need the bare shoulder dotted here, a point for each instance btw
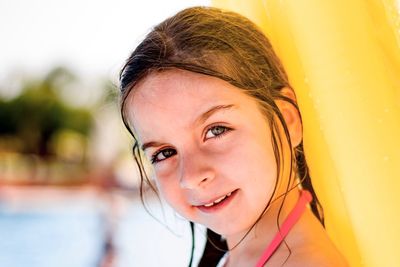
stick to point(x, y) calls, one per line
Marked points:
point(317, 257)
point(315, 248)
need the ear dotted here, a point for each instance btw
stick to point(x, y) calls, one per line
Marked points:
point(291, 116)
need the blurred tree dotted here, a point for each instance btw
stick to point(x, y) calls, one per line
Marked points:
point(39, 112)
point(110, 93)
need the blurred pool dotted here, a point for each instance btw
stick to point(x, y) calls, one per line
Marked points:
point(46, 239)
point(72, 233)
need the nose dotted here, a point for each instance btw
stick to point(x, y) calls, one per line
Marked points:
point(196, 170)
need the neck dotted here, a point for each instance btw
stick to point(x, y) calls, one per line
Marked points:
point(252, 246)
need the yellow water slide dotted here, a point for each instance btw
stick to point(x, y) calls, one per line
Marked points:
point(343, 60)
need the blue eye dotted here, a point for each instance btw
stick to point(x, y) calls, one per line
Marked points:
point(216, 131)
point(162, 155)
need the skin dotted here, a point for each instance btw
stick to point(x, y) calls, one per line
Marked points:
point(207, 138)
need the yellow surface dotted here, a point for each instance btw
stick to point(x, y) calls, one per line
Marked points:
point(343, 60)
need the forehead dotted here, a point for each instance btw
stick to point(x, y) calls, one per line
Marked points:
point(177, 97)
point(169, 83)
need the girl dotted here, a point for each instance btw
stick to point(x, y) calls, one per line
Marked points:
point(210, 106)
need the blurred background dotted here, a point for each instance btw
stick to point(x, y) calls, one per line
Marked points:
point(68, 184)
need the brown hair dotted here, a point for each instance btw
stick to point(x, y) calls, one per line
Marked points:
point(228, 46)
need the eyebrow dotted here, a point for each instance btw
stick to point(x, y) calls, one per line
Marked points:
point(201, 119)
point(150, 144)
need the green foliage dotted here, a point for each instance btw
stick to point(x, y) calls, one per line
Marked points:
point(39, 112)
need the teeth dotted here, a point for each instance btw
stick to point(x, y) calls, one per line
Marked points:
point(217, 201)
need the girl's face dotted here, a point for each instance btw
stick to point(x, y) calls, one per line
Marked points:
point(210, 146)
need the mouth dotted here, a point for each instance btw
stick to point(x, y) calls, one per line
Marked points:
point(219, 203)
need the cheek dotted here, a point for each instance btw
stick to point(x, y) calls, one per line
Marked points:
point(166, 170)
point(170, 191)
point(165, 187)
point(252, 163)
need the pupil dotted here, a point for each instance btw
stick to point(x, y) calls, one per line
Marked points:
point(217, 130)
point(167, 153)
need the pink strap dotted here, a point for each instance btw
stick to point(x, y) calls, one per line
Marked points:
point(290, 221)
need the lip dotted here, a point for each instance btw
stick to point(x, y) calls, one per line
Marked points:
point(218, 206)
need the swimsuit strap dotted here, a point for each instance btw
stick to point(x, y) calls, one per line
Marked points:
point(290, 221)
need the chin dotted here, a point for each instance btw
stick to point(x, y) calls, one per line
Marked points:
point(230, 229)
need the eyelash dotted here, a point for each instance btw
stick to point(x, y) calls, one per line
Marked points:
point(226, 130)
point(158, 152)
point(154, 159)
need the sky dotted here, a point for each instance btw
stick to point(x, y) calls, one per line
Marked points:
point(92, 37)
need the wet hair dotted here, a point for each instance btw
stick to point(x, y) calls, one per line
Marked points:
point(230, 47)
